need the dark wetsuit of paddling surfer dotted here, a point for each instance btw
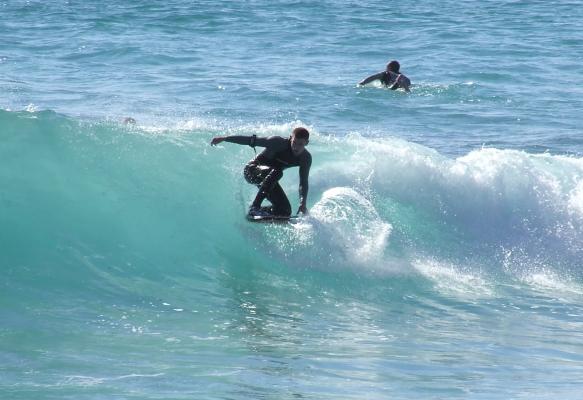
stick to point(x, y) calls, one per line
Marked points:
point(266, 169)
point(391, 77)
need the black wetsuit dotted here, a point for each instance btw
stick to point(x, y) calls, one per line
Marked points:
point(266, 169)
point(389, 78)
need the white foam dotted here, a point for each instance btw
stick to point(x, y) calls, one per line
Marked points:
point(576, 199)
point(343, 229)
point(489, 193)
point(551, 282)
point(454, 280)
point(351, 221)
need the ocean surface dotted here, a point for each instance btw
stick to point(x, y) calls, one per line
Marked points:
point(443, 254)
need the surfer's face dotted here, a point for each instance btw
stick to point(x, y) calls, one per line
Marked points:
point(298, 145)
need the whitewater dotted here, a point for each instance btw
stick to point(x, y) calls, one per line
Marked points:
point(442, 255)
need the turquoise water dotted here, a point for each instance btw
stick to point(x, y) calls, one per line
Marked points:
point(442, 257)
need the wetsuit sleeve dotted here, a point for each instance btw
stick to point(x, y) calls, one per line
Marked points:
point(249, 140)
point(304, 174)
point(371, 78)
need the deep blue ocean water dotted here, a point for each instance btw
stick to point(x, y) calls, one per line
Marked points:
point(442, 257)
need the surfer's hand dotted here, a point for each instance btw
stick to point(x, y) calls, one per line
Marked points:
point(303, 209)
point(217, 140)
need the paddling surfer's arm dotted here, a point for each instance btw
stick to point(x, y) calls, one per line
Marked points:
point(370, 79)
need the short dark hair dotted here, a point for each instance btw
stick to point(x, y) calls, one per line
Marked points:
point(301, 133)
point(394, 66)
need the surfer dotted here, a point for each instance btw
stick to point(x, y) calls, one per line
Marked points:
point(266, 169)
point(390, 77)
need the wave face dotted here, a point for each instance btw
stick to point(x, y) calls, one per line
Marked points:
point(129, 242)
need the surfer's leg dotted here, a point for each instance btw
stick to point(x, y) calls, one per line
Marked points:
point(267, 186)
point(255, 174)
point(279, 201)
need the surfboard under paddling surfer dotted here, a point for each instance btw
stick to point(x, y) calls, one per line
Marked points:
point(266, 169)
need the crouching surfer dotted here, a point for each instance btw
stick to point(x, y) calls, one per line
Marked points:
point(266, 169)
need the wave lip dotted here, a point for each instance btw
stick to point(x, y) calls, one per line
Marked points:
point(350, 222)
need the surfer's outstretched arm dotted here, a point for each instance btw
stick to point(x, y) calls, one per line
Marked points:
point(244, 140)
point(370, 79)
point(217, 139)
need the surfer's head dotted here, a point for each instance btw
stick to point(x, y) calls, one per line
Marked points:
point(300, 138)
point(393, 66)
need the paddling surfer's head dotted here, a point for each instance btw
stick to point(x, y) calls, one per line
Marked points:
point(393, 66)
